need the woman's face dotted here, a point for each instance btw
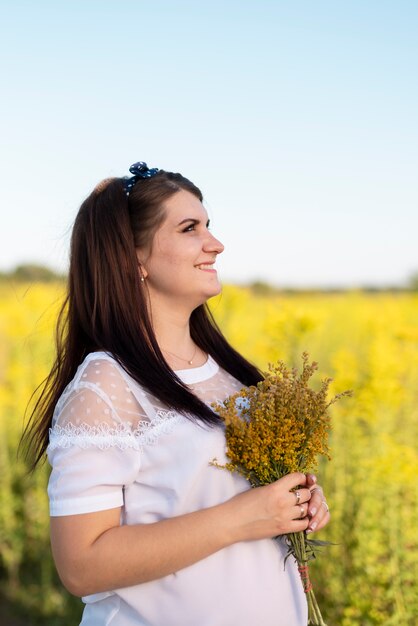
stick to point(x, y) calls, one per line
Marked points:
point(179, 267)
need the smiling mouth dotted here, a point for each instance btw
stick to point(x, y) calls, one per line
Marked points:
point(206, 266)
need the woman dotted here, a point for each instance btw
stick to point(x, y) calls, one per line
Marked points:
point(143, 527)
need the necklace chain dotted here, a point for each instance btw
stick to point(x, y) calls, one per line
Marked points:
point(189, 361)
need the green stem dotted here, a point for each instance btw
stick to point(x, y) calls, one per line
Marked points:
point(298, 550)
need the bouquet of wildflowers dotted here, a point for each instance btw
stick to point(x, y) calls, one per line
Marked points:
point(275, 428)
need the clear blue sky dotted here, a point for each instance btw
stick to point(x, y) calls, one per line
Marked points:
point(299, 121)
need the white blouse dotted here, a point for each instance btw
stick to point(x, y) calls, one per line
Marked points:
point(114, 445)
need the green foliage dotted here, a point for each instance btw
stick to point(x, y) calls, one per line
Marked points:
point(413, 282)
point(31, 272)
point(28, 581)
point(366, 342)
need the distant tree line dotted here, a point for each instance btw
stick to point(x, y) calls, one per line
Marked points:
point(32, 272)
point(263, 288)
point(413, 282)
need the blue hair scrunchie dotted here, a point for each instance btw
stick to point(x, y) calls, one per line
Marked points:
point(139, 170)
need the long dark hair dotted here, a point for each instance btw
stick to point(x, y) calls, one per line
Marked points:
point(106, 305)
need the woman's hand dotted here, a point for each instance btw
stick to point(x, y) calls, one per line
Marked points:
point(318, 510)
point(271, 510)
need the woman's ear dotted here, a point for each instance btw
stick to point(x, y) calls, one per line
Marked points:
point(142, 271)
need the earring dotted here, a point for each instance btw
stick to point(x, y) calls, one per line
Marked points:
point(142, 277)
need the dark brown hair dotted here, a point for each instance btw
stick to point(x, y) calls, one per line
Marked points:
point(106, 307)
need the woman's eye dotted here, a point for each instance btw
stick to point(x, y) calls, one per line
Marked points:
point(189, 228)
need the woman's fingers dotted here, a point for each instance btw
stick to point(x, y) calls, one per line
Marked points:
point(309, 506)
point(316, 500)
point(299, 496)
point(318, 521)
point(299, 511)
point(297, 499)
point(291, 481)
point(299, 502)
point(318, 510)
point(310, 480)
point(298, 525)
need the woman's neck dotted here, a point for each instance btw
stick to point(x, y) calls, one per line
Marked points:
point(172, 332)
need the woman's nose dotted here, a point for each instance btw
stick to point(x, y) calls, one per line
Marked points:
point(213, 245)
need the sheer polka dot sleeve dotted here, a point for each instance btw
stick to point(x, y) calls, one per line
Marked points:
point(95, 440)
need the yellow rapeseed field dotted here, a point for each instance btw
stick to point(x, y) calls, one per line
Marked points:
point(365, 342)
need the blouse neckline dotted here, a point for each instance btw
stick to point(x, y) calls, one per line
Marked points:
point(198, 374)
point(188, 376)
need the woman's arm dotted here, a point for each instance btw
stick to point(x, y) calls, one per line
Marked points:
point(93, 553)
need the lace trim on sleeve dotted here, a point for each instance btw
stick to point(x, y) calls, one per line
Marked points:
point(120, 436)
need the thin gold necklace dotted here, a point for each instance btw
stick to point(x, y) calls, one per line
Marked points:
point(189, 361)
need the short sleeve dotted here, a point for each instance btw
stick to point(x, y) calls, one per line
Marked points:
point(85, 480)
point(95, 441)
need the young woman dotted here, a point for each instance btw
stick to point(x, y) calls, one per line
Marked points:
point(143, 527)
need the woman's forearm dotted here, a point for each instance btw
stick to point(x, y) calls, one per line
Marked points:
point(122, 556)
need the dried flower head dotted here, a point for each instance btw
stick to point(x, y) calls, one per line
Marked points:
point(279, 426)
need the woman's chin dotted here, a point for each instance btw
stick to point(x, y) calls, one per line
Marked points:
point(214, 291)
point(210, 293)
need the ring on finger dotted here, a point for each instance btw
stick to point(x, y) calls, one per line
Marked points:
point(325, 505)
point(302, 511)
point(297, 494)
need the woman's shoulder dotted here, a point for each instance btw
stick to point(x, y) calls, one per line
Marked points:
point(99, 380)
point(99, 362)
point(100, 367)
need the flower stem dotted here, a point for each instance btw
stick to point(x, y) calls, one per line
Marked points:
point(299, 551)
